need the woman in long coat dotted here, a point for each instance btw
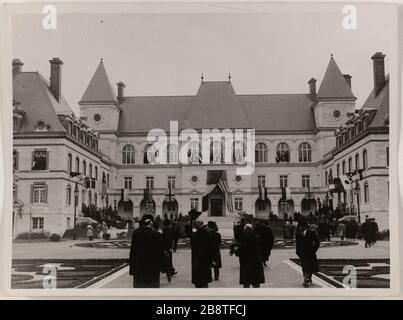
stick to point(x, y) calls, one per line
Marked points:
point(202, 254)
point(251, 272)
point(307, 243)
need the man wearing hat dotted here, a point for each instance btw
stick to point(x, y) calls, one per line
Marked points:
point(202, 250)
point(216, 238)
point(146, 255)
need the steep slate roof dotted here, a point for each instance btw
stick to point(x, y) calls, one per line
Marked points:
point(99, 89)
point(31, 92)
point(381, 104)
point(279, 112)
point(334, 85)
point(140, 114)
point(216, 106)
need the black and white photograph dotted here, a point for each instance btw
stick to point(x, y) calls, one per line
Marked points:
point(201, 146)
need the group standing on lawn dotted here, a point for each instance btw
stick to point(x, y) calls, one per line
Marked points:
point(155, 240)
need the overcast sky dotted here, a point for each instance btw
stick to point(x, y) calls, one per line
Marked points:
point(267, 50)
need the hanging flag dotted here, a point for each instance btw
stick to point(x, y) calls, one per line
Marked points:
point(278, 157)
point(125, 195)
point(283, 194)
point(345, 181)
point(263, 193)
point(147, 195)
point(223, 184)
point(288, 193)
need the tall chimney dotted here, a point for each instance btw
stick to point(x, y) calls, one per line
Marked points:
point(348, 79)
point(379, 71)
point(17, 66)
point(121, 91)
point(56, 78)
point(312, 88)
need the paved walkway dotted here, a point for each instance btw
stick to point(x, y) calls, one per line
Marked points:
point(281, 273)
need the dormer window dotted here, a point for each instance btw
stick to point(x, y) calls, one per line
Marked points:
point(41, 126)
point(18, 116)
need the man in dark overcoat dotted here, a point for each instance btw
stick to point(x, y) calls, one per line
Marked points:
point(251, 271)
point(202, 253)
point(216, 239)
point(146, 255)
point(266, 235)
point(307, 244)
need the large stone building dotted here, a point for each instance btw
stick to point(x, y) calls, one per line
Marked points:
point(300, 141)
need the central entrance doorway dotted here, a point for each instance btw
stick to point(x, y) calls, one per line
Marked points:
point(216, 207)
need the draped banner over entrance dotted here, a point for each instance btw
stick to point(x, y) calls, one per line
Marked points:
point(217, 178)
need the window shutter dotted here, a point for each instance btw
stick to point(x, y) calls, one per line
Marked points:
point(47, 160)
point(46, 193)
point(32, 193)
point(17, 156)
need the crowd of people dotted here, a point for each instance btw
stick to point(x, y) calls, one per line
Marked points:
point(155, 240)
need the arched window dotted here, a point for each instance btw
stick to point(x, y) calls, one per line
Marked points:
point(350, 164)
point(194, 152)
point(364, 160)
point(96, 173)
point(261, 152)
point(150, 154)
point(128, 154)
point(216, 152)
point(283, 152)
point(305, 152)
point(172, 154)
point(90, 170)
point(330, 177)
point(326, 179)
point(343, 167)
point(357, 161)
point(338, 170)
point(239, 152)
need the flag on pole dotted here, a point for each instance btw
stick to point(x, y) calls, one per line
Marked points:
point(223, 184)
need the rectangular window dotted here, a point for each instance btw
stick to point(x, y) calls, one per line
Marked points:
point(194, 203)
point(150, 183)
point(387, 157)
point(238, 204)
point(343, 167)
point(68, 195)
point(305, 181)
point(283, 181)
point(38, 223)
point(40, 160)
point(77, 164)
point(128, 183)
point(366, 193)
point(261, 181)
point(69, 163)
point(68, 223)
point(96, 173)
point(171, 182)
point(39, 193)
point(84, 168)
point(15, 160)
